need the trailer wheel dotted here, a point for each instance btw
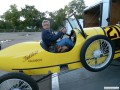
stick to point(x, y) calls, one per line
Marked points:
point(17, 81)
point(97, 53)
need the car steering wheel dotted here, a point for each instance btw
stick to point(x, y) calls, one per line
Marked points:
point(62, 36)
point(70, 34)
point(67, 35)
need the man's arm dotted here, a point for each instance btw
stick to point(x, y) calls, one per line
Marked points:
point(53, 37)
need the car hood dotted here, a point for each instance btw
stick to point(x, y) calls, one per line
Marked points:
point(20, 49)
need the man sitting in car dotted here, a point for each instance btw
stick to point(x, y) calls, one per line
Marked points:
point(50, 38)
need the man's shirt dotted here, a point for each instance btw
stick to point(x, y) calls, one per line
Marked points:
point(49, 38)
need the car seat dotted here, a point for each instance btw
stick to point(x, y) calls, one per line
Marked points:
point(44, 46)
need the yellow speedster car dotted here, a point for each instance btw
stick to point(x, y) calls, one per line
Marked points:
point(94, 49)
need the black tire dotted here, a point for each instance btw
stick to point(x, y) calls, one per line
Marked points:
point(20, 76)
point(84, 49)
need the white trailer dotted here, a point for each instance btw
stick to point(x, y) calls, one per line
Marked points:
point(103, 13)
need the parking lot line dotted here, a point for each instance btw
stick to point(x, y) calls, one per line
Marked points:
point(55, 82)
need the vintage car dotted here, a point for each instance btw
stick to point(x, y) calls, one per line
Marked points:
point(94, 49)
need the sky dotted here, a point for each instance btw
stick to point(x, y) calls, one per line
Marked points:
point(41, 5)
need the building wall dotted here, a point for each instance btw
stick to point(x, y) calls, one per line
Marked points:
point(92, 18)
point(115, 12)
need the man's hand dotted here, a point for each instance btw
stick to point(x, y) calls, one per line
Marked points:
point(64, 30)
point(62, 49)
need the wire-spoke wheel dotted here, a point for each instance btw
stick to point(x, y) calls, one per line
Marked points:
point(97, 53)
point(17, 81)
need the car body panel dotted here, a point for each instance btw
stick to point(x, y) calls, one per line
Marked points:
point(30, 55)
point(32, 59)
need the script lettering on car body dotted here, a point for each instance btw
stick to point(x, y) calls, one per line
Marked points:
point(27, 58)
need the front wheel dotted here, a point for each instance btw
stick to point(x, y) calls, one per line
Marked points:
point(17, 81)
point(97, 53)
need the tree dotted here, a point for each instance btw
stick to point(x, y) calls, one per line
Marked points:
point(32, 16)
point(11, 19)
point(2, 24)
point(77, 6)
point(12, 16)
point(57, 18)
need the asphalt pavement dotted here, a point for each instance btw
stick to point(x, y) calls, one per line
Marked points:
point(83, 79)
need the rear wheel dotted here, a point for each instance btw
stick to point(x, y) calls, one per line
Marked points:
point(17, 81)
point(97, 53)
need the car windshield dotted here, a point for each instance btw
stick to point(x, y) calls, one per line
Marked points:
point(73, 22)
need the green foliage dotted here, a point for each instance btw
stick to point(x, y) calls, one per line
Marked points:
point(12, 16)
point(11, 19)
point(76, 6)
point(32, 16)
point(58, 18)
